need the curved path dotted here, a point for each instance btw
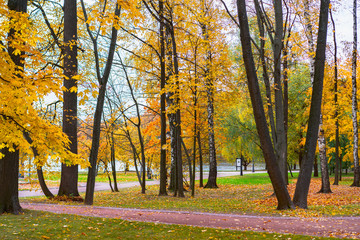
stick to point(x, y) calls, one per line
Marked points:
point(342, 227)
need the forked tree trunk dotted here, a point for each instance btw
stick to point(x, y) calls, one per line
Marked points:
point(281, 193)
point(303, 183)
point(69, 174)
point(90, 185)
point(356, 182)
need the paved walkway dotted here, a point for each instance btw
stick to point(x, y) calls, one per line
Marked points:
point(103, 186)
point(344, 227)
point(341, 227)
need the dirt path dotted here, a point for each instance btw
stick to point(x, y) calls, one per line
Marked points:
point(342, 227)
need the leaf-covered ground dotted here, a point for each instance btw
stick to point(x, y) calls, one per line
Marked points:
point(44, 225)
point(249, 194)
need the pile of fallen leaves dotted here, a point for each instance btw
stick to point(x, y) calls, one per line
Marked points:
point(344, 200)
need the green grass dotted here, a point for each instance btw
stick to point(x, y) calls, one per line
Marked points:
point(42, 225)
point(250, 179)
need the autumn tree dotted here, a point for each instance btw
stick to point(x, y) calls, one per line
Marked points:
point(284, 201)
point(303, 183)
point(9, 164)
point(102, 81)
point(25, 80)
point(356, 182)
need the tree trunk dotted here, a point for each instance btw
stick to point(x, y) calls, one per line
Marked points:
point(9, 181)
point(282, 195)
point(113, 160)
point(189, 161)
point(265, 71)
point(172, 184)
point(309, 35)
point(9, 164)
point(303, 183)
point(201, 172)
point(195, 125)
point(356, 182)
point(337, 159)
point(211, 183)
point(42, 183)
point(325, 182)
point(286, 105)
point(280, 146)
point(171, 114)
point(90, 185)
point(179, 170)
point(212, 150)
point(39, 171)
point(316, 169)
point(163, 172)
point(69, 174)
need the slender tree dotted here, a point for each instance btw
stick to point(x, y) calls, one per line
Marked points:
point(163, 172)
point(211, 183)
point(337, 159)
point(303, 183)
point(356, 182)
point(102, 80)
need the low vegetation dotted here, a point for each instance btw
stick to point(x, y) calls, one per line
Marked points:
point(248, 194)
point(40, 225)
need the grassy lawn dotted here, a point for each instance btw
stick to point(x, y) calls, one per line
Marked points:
point(41, 225)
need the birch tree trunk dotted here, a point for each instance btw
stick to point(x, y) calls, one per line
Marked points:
point(325, 182)
point(356, 182)
point(209, 78)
